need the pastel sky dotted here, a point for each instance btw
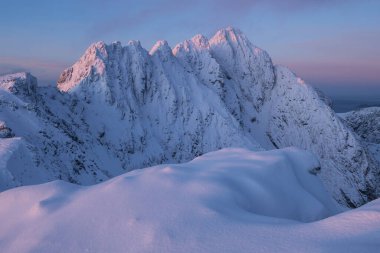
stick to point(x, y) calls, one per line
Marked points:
point(330, 43)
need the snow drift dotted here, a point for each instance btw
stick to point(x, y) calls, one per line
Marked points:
point(232, 200)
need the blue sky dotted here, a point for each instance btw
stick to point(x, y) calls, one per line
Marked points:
point(332, 44)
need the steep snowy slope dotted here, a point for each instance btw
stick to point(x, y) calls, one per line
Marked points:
point(121, 108)
point(156, 111)
point(232, 200)
point(278, 109)
point(299, 118)
point(240, 73)
point(131, 110)
point(366, 124)
point(43, 123)
point(21, 84)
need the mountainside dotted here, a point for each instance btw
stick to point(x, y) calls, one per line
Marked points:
point(121, 108)
point(366, 124)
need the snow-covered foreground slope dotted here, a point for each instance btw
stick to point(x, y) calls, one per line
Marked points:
point(232, 200)
point(121, 108)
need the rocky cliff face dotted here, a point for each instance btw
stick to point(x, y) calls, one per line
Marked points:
point(278, 109)
point(299, 118)
point(121, 108)
point(365, 123)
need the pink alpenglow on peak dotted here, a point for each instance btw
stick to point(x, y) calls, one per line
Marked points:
point(120, 108)
point(161, 46)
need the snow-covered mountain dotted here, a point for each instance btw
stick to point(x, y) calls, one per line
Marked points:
point(121, 108)
point(366, 124)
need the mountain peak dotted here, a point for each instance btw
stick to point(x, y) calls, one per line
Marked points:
point(98, 45)
point(231, 29)
point(19, 83)
point(117, 42)
point(14, 76)
point(135, 43)
point(161, 46)
point(200, 41)
point(228, 34)
point(97, 49)
point(90, 64)
point(226, 77)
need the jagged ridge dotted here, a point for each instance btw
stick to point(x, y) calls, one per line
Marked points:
point(121, 107)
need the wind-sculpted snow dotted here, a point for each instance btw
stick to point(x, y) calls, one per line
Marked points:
point(232, 200)
point(121, 108)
